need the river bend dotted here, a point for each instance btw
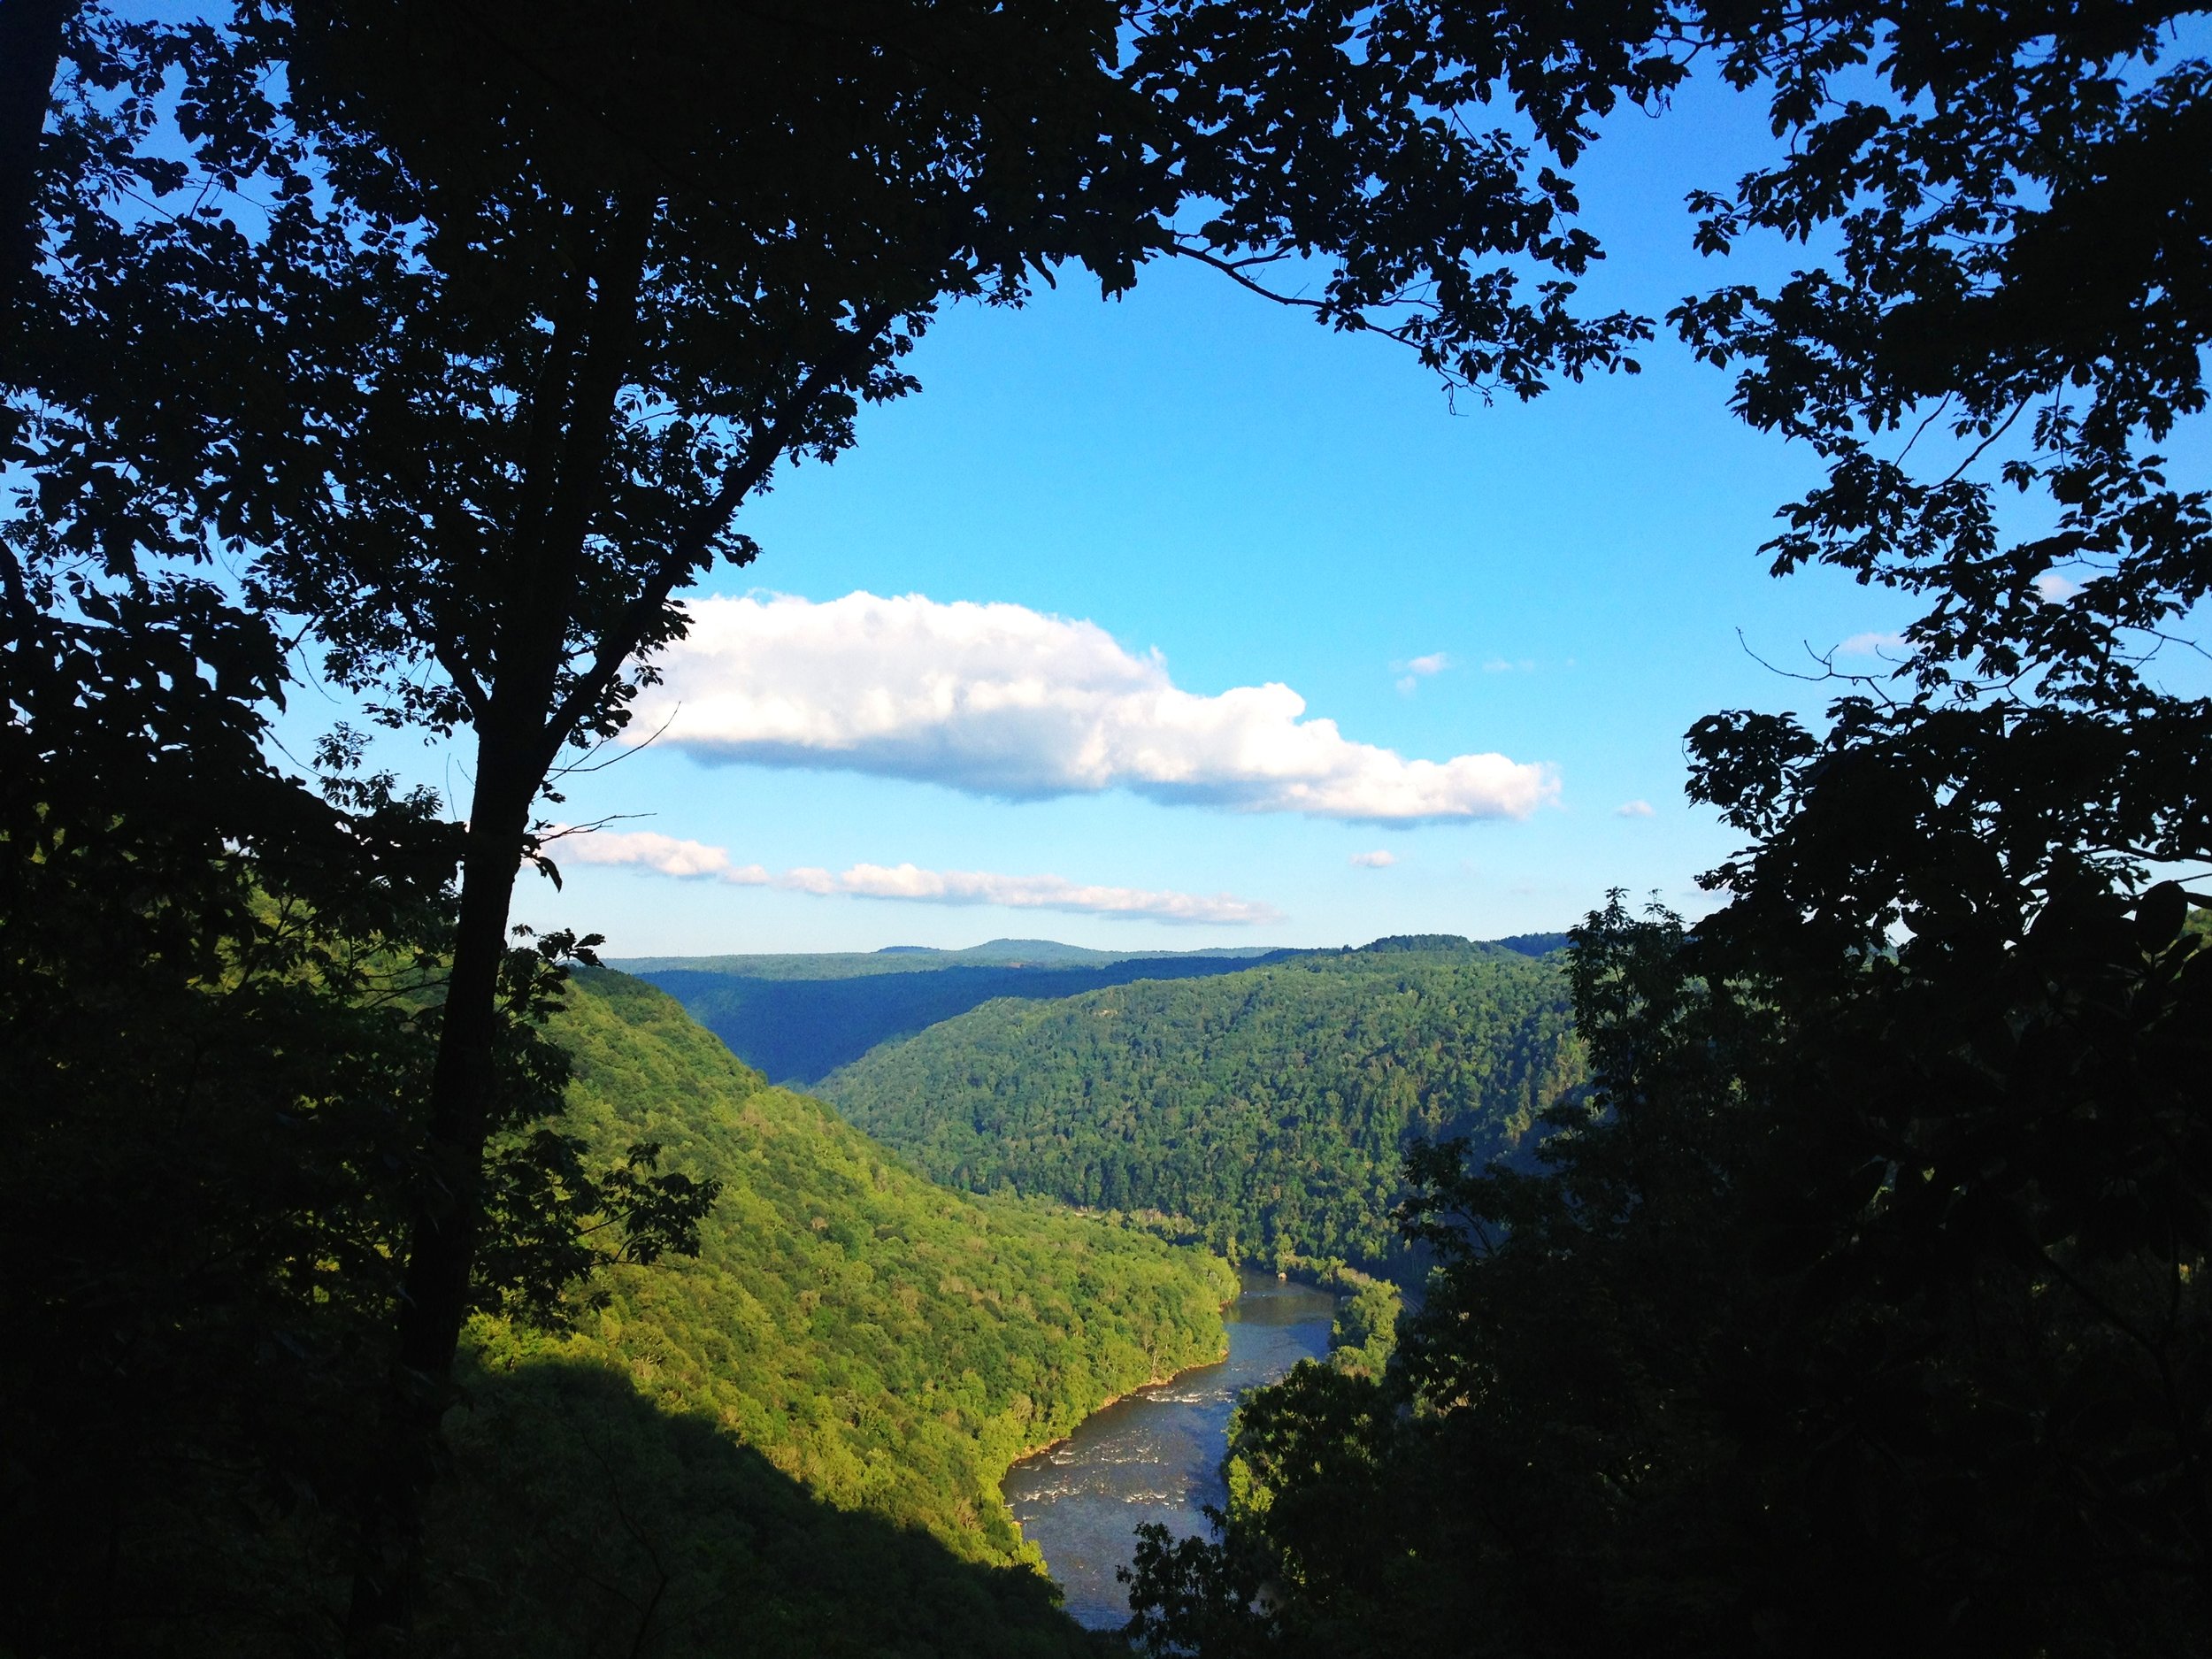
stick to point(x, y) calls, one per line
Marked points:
point(1156, 1455)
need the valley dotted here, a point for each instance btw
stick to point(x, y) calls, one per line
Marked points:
point(856, 1347)
point(854, 1357)
point(1156, 1456)
point(1360, 445)
point(797, 1019)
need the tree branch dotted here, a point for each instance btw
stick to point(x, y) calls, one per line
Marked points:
point(621, 641)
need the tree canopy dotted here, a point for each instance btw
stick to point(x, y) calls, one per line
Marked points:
point(1265, 1112)
point(463, 337)
point(1862, 1306)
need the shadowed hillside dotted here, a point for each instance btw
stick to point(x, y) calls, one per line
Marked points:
point(585, 1520)
point(994, 952)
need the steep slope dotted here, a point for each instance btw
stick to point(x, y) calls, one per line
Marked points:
point(850, 1336)
point(1269, 1108)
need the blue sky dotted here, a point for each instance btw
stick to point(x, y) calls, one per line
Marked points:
point(1204, 476)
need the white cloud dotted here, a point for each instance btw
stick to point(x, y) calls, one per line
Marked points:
point(1419, 669)
point(1871, 644)
point(692, 860)
point(1375, 860)
point(664, 853)
point(1000, 700)
point(1500, 665)
point(1049, 892)
point(2055, 589)
point(1634, 809)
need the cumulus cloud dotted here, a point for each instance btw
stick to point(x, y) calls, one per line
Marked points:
point(651, 851)
point(695, 860)
point(1375, 860)
point(1634, 809)
point(1000, 700)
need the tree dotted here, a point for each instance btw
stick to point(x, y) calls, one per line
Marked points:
point(529, 302)
point(219, 994)
point(1868, 1308)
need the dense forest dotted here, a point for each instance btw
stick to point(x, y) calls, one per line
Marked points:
point(786, 1434)
point(426, 363)
point(992, 953)
point(1862, 1306)
point(792, 1442)
point(799, 1020)
point(892, 1345)
point(1267, 1110)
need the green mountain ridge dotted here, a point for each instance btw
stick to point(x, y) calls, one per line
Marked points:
point(854, 1358)
point(994, 953)
point(1268, 1108)
point(799, 1017)
point(801, 1028)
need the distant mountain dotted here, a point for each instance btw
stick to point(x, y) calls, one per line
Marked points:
point(1000, 952)
point(798, 1018)
point(1049, 953)
point(1269, 1106)
point(792, 1444)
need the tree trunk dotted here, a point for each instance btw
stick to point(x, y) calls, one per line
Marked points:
point(435, 1286)
point(517, 737)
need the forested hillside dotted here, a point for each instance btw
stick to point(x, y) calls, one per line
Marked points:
point(889, 1344)
point(798, 1018)
point(992, 953)
point(1268, 1107)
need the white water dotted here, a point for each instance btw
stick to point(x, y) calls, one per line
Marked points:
point(1156, 1455)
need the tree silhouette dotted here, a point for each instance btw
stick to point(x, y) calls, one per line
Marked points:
point(470, 329)
point(1867, 1308)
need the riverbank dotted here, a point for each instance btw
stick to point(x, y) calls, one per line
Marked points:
point(1111, 1401)
point(1155, 1455)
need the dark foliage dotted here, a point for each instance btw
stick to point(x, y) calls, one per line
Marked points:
point(206, 981)
point(219, 994)
point(1811, 1336)
point(456, 340)
point(492, 322)
point(1865, 1309)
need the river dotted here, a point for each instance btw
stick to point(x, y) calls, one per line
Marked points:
point(1156, 1455)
